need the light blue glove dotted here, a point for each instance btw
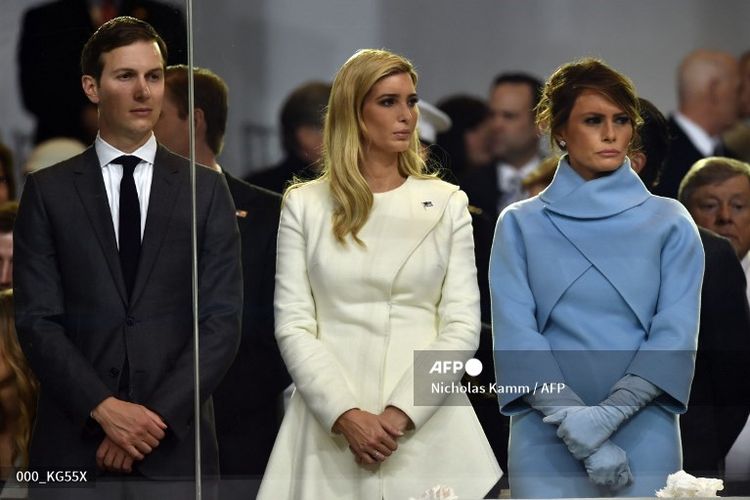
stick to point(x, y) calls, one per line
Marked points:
point(549, 403)
point(608, 467)
point(584, 429)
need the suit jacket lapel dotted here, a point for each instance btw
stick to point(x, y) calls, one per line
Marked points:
point(164, 189)
point(90, 187)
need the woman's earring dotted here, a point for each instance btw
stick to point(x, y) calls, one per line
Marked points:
point(562, 144)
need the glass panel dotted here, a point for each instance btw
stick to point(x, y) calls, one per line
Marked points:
point(228, 87)
point(263, 50)
point(102, 255)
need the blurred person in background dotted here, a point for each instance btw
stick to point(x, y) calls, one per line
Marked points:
point(468, 142)
point(247, 402)
point(737, 138)
point(18, 393)
point(301, 138)
point(717, 410)
point(8, 212)
point(49, 50)
point(513, 98)
point(7, 175)
point(708, 84)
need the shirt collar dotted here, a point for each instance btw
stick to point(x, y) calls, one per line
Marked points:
point(700, 139)
point(508, 170)
point(509, 177)
point(107, 152)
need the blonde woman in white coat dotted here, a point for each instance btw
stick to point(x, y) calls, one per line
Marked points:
point(375, 260)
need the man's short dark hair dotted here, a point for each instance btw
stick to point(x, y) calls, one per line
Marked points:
point(534, 83)
point(304, 106)
point(118, 32)
point(8, 212)
point(210, 93)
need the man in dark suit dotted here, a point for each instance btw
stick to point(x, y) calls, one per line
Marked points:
point(708, 85)
point(716, 192)
point(718, 406)
point(52, 36)
point(737, 138)
point(102, 276)
point(247, 403)
point(513, 98)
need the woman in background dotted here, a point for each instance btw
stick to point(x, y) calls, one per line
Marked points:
point(375, 261)
point(18, 390)
point(595, 285)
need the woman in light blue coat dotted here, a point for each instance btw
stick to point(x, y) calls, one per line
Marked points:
point(595, 298)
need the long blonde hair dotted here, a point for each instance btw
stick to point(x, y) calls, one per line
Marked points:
point(344, 133)
point(23, 378)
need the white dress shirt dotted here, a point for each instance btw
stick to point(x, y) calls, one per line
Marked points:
point(509, 181)
point(700, 139)
point(112, 174)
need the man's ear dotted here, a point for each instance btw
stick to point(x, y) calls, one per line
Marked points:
point(90, 88)
point(200, 123)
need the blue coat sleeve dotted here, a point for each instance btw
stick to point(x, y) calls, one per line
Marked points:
point(666, 357)
point(523, 357)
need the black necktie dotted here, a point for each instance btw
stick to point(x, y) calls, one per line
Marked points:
point(130, 221)
point(719, 149)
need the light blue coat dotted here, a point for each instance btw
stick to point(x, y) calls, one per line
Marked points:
point(590, 281)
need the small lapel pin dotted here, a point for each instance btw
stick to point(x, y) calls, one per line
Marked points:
point(241, 213)
point(426, 204)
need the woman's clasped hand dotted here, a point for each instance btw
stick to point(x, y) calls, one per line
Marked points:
point(372, 438)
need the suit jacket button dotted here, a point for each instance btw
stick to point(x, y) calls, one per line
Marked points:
point(114, 372)
point(130, 321)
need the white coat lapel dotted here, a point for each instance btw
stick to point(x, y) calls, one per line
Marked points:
point(423, 206)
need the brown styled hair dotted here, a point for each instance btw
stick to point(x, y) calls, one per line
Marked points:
point(570, 80)
point(24, 379)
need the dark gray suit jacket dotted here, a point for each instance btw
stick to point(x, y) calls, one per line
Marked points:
point(682, 154)
point(719, 398)
point(75, 321)
point(246, 402)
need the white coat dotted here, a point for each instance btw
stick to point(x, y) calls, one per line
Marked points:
point(348, 320)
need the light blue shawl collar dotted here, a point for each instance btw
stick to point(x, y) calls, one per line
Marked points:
point(572, 196)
